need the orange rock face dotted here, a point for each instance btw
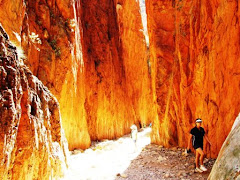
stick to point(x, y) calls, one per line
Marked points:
point(194, 48)
point(117, 82)
point(32, 141)
point(136, 60)
point(11, 18)
point(51, 40)
point(93, 58)
point(101, 92)
point(58, 62)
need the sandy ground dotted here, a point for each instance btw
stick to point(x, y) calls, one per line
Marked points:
point(120, 159)
point(104, 160)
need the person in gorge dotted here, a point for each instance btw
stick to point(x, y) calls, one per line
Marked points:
point(134, 132)
point(197, 134)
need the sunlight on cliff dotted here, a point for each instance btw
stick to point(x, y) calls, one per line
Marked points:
point(144, 20)
point(20, 53)
point(105, 160)
point(76, 23)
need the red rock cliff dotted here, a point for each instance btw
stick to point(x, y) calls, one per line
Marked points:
point(32, 141)
point(58, 62)
point(136, 60)
point(194, 47)
point(117, 82)
point(97, 68)
point(51, 40)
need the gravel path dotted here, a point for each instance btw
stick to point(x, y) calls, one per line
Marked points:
point(121, 160)
point(158, 163)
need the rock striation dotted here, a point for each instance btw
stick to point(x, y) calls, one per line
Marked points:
point(117, 76)
point(92, 56)
point(51, 41)
point(194, 49)
point(32, 140)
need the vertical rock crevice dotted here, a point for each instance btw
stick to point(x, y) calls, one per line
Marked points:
point(87, 54)
point(196, 44)
point(113, 48)
point(51, 39)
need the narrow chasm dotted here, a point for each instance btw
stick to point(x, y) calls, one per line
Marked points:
point(119, 89)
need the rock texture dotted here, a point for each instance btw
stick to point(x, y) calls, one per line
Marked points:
point(11, 18)
point(92, 56)
point(50, 38)
point(32, 141)
point(57, 61)
point(194, 49)
point(117, 82)
point(136, 63)
point(227, 165)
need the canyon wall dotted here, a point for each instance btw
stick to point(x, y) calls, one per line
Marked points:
point(51, 41)
point(118, 91)
point(194, 49)
point(92, 56)
point(136, 60)
point(227, 165)
point(32, 141)
point(57, 61)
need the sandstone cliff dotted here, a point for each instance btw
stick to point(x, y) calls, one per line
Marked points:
point(32, 141)
point(227, 165)
point(92, 56)
point(118, 91)
point(136, 60)
point(48, 33)
point(194, 49)
point(57, 61)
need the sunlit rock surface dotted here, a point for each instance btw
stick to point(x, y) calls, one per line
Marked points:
point(92, 56)
point(227, 165)
point(32, 141)
point(194, 49)
point(57, 61)
point(50, 38)
point(118, 89)
point(11, 18)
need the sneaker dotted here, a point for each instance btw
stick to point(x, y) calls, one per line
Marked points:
point(202, 167)
point(198, 170)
